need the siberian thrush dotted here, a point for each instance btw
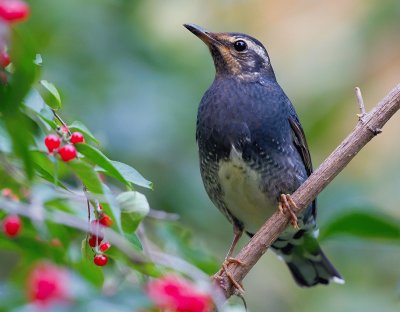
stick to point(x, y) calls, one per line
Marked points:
point(253, 152)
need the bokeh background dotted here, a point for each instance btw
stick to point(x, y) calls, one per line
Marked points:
point(134, 75)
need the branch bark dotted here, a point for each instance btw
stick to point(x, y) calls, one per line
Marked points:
point(368, 126)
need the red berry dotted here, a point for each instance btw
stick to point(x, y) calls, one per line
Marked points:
point(4, 59)
point(100, 260)
point(12, 11)
point(77, 137)
point(12, 226)
point(106, 220)
point(52, 142)
point(94, 240)
point(67, 152)
point(104, 246)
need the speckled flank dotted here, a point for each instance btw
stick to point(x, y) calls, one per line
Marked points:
point(242, 192)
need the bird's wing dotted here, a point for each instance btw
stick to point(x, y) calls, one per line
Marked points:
point(299, 140)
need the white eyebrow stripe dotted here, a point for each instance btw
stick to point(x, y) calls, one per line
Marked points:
point(259, 50)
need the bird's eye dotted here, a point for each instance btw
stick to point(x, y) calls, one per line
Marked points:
point(240, 45)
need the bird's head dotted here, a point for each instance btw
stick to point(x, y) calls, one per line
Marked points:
point(235, 54)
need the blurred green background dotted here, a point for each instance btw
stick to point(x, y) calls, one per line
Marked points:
point(134, 76)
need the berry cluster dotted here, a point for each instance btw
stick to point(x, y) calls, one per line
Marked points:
point(96, 240)
point(12, 224)
point(68, 151)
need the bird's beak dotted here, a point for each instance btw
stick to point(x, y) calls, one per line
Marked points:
point(207, 37)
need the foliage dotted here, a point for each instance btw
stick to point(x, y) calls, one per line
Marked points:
point(80, 211)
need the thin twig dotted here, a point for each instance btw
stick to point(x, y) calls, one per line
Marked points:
point(61, 121)
point(365, 130)
point(360, 102)
point(85, 191)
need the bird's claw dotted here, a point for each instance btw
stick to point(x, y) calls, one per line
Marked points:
point(224, 268)
point(230, 260)
point(286, 204)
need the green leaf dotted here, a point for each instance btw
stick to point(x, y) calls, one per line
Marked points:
point(134, 207)
point(87, 174)
point(132, 175)
point(78, 126)
point(20, 129)
point(45, 124)
point(46, 168)
point(86, 268)
point(48, 121)
point(18, 126)
point(134, 240)
point(86, 251)
point(22, 55)
point(97, 157)
point(49, 94)
point(48, 177)
point(366, 225)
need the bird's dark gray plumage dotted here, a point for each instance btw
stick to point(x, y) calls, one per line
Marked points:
point(252, 149)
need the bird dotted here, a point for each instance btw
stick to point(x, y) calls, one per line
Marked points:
point(253, 153)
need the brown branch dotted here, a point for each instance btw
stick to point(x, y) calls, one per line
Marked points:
point(367, 127)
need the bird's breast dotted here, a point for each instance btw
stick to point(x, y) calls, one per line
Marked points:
point(242, 192)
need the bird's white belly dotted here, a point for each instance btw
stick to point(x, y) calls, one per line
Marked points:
point(242, 193)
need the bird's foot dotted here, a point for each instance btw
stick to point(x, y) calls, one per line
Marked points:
point(286, 204)
point(224, 268)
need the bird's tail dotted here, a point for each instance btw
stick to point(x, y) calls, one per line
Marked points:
point(307, 263)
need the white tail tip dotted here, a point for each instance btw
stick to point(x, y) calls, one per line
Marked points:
point(338, 280)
